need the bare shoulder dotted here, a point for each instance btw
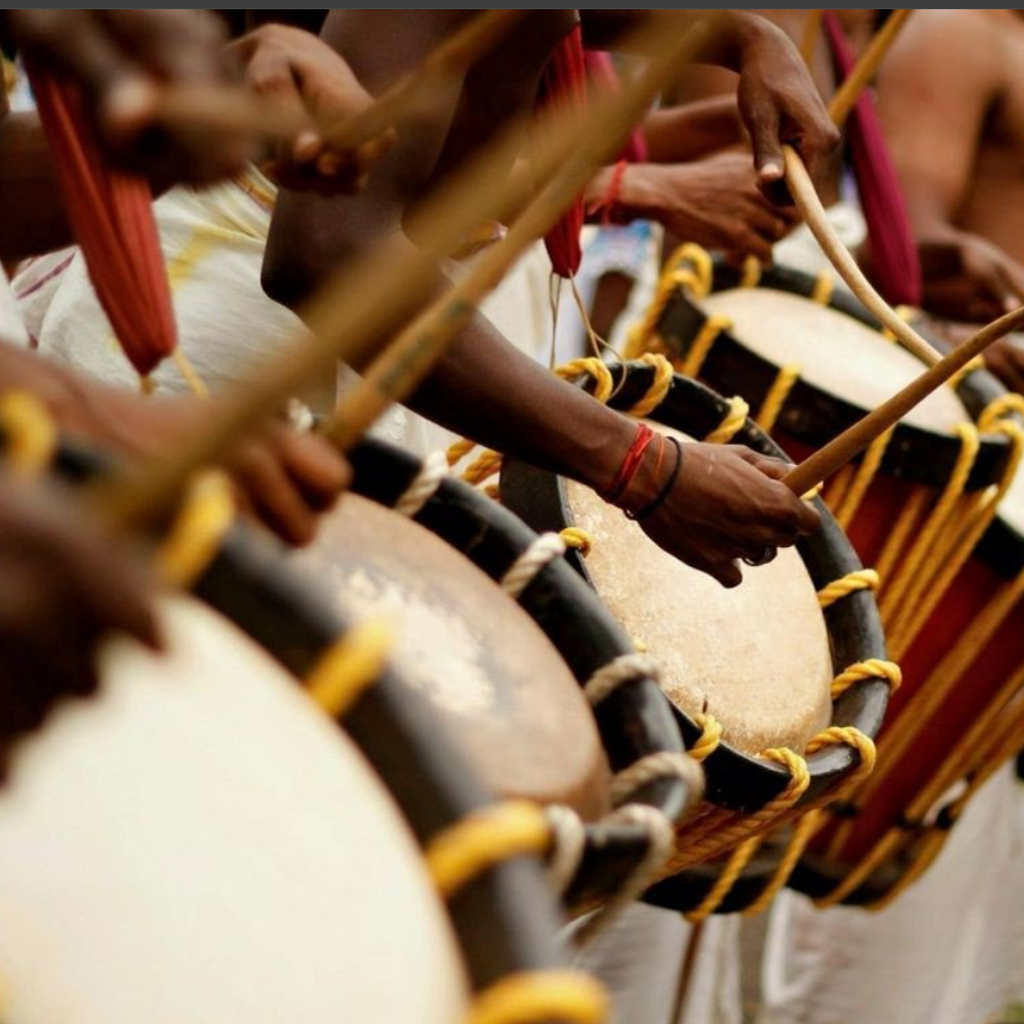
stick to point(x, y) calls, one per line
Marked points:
point(967, 46)
point(956, 32)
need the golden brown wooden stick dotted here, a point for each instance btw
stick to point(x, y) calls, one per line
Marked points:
point(802, 189)
point(845, 99)
point(347, 313)
point(809, 36)
point(408, 359)
point(225, 110)
point(833, 456)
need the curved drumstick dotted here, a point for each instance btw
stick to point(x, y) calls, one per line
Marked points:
point(803, 192)
point(839, 451)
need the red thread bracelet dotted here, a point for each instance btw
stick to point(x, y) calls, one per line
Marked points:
point(630, 464)
point(611, 196)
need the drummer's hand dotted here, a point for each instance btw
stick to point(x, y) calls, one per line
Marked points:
point(121, 58)
point(968, 278)
point(285, 478)
point(779, 103)
point(64, 585)
point(309, 80)
point(714, 202)
point(727, 504)
point(288, 479)
point(1005, 358)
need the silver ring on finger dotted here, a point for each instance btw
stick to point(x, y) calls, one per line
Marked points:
point(765, 556)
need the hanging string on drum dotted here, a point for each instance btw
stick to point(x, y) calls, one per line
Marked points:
point(344, 319)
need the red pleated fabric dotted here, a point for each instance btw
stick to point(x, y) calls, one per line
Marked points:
point(894, 257)
point(111, 215)
point(601, 71)
point(565, 82)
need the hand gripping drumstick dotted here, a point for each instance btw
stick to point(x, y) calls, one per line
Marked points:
point(833, 456)
point(243, 111)
point(346, 313)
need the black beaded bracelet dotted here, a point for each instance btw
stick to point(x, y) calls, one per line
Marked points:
point(664, 492)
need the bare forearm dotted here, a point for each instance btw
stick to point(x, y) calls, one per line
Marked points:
point(679, 134)
point(31, 213)
point(488, 390)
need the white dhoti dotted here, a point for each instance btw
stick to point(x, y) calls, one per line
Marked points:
point(950, 950)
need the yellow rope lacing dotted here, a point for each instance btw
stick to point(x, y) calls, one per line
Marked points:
point(906, 314)
point(751, 275)
point(851, 583)
point(458, 450)
point(604, 383)
point(488, 462)
point(824, 286)
point(732, 423)
point(813, 819)
point(483, 467)
point(861, 479)
point(873, 668)
point(1001, 749)
point(742, 855)
point(349, 666)
point(734, 867)
point(198, 530)
point(710, 737)
point(1001, 408)
point(971, 366)
point(773, 402)
point(577, 538)
point(538, 997)
point(483, 839)
point(31, 434)
point(910, 516)
point(931, 694)
point(697, 279)
point(959, 540)
point(804, 831)
point(722, 830)
point(664, 374)
point(918, 712)
point(699, 348)
point(912, 573)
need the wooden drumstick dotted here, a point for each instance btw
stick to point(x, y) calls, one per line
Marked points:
point(840, 450)
point(225, 110)
point(809, 35)
point(346, 314)
point(802, 189)
point(845, 99)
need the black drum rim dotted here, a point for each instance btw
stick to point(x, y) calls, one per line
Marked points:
point(634, 721)
point(506, 919)
point(916, 455)
point(735, 780)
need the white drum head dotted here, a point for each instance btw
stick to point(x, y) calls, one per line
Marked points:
point(200, 844)
point(835, 352)
point(756, 657)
